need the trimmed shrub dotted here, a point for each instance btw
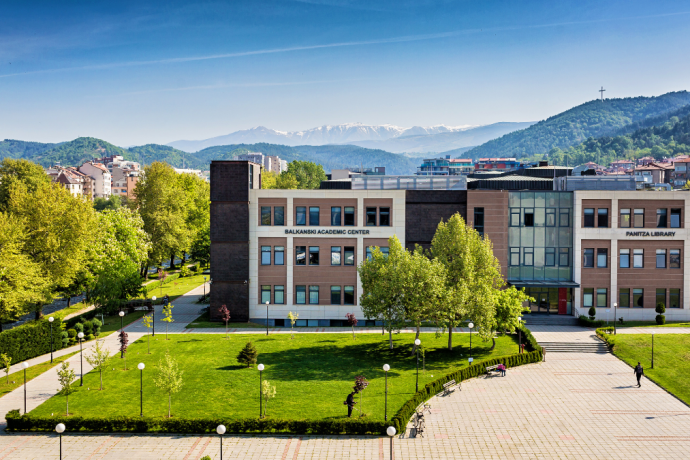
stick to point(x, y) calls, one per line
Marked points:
point(528, 339)
point(592, 313)
point(661, 309)
point(65, 338)
point(30, 340)
point(79, 327)
point(185, 271)
point(605, 334)
point(88, 328)
point(72, 334)
point(96, 326)
point(586, 322)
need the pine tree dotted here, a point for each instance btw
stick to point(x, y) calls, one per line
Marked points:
point(248, 355)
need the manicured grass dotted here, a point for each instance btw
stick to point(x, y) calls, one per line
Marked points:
point(204, 321)
point(176, 288)
point(312, 373)
point(17, 378)
point(652, 324)
point(112, 323)
point(671, 359)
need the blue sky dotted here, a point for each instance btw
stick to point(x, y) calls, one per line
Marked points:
point(154, 72)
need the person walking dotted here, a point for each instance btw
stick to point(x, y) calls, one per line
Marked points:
point(639, 372)
point(350, 402)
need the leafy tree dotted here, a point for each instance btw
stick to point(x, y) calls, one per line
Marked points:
point(66, 377)
point(168, 317)
point(268, 179)
point(110, 204)
point(352, 321)
point(201, 245)
point(309, 175)
point(98, 359)
point(268, 392)
point(83, 281)
point(293, 319)
point(287, 181)
point(26, 172)
point(509, 307)
point(6, 363)
point(592, 313)
point(361, 384)
point(197, 192)
point(248, 355)
point(148, 323)
point(225, 316)
point(169, 378)
point(124, 342)
point(687, 185)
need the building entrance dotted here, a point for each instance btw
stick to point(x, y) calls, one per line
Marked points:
point(554, 301)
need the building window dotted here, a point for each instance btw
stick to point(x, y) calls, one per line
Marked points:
point(564, 218)
point(624, 298)
point(602, 257)
point(313, 255)
point(515, 257)
point(265, 294)
point(587, 297)
point(638, 218)
point(349, 255)
point(336, 218)
point(674, 258)
point(564, 257)
point(314, 295)
point(514, 217)
point(638, 298)
point(300, 295)
point(550, 217)
point(371, 217)
point(661, 258)
point(300, 255)
point(550, 257)
point(601, 298)
point(602, 217)
point(265, 255)
point(265, 215)
point(674, 298)
point(528, 257)
point(675, 218)
point(349, 295)
point(349, 216)
point(335, 295)
point(529, 218)
point(589, 217)
point(638, 258)
point(279, 255)
point(279, 215)
point(625, 218)
point(661, 219)
point(624, 258)
point(660, 297)
point(301, 215)
point(279, 295)
point(313, 215)
point(385, 217)
point(335, 255)
point(588, 260)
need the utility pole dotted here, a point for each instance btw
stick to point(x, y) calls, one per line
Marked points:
point(602, 93)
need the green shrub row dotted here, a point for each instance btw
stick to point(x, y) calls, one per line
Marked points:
point(528, 339)
point(30, 340)
point(605, 334)
point(586, 322)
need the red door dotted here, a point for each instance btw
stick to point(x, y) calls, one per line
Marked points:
point(562, 301)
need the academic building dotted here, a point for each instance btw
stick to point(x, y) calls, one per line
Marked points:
point(299, 250)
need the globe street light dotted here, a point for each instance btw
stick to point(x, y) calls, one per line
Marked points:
point(50, 320)
point(141, 367)
point(615, 314)
point(471, 325)
point(24, 366)
point(386, 368)
point(261, 368)
point(519, 334)
point(390, 431)
point(122, 316)
point(153, 314)
point(417, 343)
point(81, 357)
point(60, 428)
point(267, 318)
point(221, 431)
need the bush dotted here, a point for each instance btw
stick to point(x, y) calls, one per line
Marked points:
point(30, 340)
point(90, 337)
point(79, 327)
point(185, 271)
point(96, 326)
point(72, 336)
point(586, 322)
point(248, 355)
point(661, 309)
point(528, 339)
point(605, 334)
point(592, 313)
point(65, 338)
point(88, 328)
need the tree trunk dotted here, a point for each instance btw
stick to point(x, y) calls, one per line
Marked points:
point(172, 261)
point(450, 336)
point(0, 326)
point(390, 336)
point(67, 396)
point(101, 380)
point(414, 347)
point(493, 345)
point(69, 300)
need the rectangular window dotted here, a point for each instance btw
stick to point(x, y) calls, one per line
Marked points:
point(300, 255)
point(675, 218)
point(602, 257)
point(588, 260)
point(638, 258)
point(624, 258)
point(638, 298)
point(674, 258)
point(384, 251)
point(638, 218)
point(660, 297)
point(349, 255)
point(335, 295)
point(601, 298)
point(624, 298)
point(587, 297)
point(265, 215)
point(529, 218)
point(564, 218)
point(367, 255)
point(349, 295)
point(300, 295)
point(661, 258)
point(661, 218)
point(602, 217)
point(550, 217)
point(313, 295)
point(279, 295)
point(349, 216)
point(528, 256)
point(279, 215)
point(265, 294)
point(515, 257)
point(479, 220)
point(550, 257)
point(589, 217)
point(674, 298)
point(514, 217)
point(265, 255)
point(564, 257)
point(313, 255)
point(313, 215)
point(371, 217)
point(336, 218)
point(279, 255)
point(301, 215)
point(385, 217)
point(625, 218)
point(335, 255)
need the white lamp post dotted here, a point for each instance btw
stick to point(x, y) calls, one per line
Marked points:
point(470, 325)
point(261, 369)
point(266, 318)
point(50, 320)
point(60, 428)
point(122, 315)
point(390, 431)
point(221, 431)
point(80, 336)
point(615, 314)
point(417, 343)
point(141, 367)
point(24, 366)
point(386, 368)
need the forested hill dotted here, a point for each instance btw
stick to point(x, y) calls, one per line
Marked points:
point(591, 119)
point(10, 148)
point(147, 154)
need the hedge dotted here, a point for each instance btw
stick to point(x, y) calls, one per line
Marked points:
point(30, 340)
point(604, 333)
point(586, 322)
point(528, 339)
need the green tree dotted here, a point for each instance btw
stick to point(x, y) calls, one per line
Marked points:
point(268, 179)
point(198, 206)
point(110, 204)
point(20, 171)
point(268, 392)
point(6, 362)
point(148, 323)
point(98, 359)
point(286, 181)
point(169, 378)
point(309, 175)
point(248, 355)
point(509, 306)
point(168, 317)
point(201, 246)
point(66, 378)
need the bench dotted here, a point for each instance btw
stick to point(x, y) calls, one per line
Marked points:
point(491, 369)
point(447, 387)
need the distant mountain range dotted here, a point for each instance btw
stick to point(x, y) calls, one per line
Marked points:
point(390, 138)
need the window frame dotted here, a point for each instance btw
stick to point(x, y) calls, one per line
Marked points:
point(605, 253)
point(300, 289)
point(602, 293)
point(339, 293)
point(528, 257)
point(349, 249)
point(623, 221)
point(638, 252)
point(588, 221)
point(278, 222)
point(624, 295)
point(385, 211)
point(278, 250)
point(314, 260)
point(671, 261)
point(600, 215)
point(339, 221)
point(514, 215)
point(674, 294)
point(661, 252)
point(552, 212)
point(479, 216)
point(265, 290)
point(514, 252)
point(635, 214)
point(588, 263)
point(349, 212)
point(346, 294)
point(662, 218)
point(370, 211)
point(265, 252)
point(561, 253)
point(300, 211)
point(549, 252)
point(528, 217)
point(279, 288)
point(640, 298)
point(340, 255)
point(587, 297)
point(301, 250)
point(314, 215)
point(313, 289)
point(676, 212)
point(621, 253)
point(265, 212)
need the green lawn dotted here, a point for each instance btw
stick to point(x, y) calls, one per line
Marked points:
point(204, 321)
point(312, 373)
point(112, 323)
point(177, 287)
point(652, 324)
point(17, 378)
point(671, 359)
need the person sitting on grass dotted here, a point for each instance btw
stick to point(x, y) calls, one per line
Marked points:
point(502, 368)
